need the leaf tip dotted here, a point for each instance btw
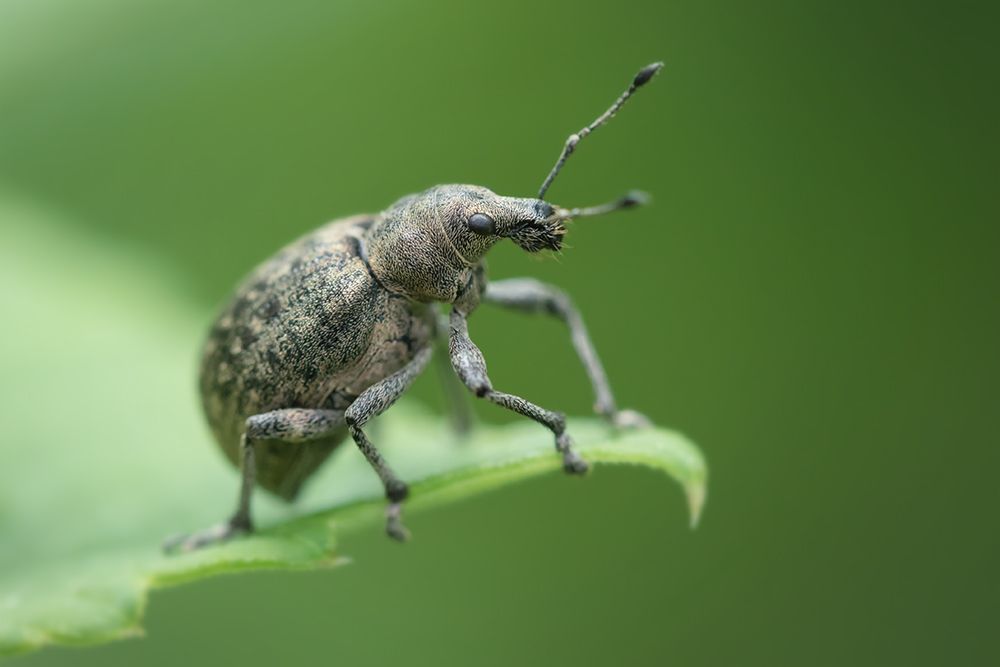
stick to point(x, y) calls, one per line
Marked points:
point(696, 495)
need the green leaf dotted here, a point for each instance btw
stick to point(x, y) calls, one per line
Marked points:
point(105, 453)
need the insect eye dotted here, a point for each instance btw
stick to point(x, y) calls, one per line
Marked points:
point(481, 223)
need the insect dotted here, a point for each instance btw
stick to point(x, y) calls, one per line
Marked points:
point(328, 333)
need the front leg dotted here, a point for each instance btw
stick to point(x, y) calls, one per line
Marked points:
point(468, 362)
point(457, 402)
point(531, 296)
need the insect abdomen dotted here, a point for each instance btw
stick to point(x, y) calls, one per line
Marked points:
point(287, 337)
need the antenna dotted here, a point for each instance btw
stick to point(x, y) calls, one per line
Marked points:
point(643, 77)
point(630, 200)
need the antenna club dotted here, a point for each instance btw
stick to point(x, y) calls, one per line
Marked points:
point(634, 198)
point(646, 73)
point(643, 77)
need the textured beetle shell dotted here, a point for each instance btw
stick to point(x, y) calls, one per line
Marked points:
point(309, 328)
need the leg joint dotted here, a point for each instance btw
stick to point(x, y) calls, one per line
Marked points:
point(255, 426)
point(357, 414)
point(558, 422)
point(559, 304)
point(396, 491)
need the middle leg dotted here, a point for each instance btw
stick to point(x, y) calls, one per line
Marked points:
point(372, 402)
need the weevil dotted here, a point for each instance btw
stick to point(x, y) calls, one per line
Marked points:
point(332, 330)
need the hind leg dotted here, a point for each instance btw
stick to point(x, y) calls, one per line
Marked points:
point(294, 425)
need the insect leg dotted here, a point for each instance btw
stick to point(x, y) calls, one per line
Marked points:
point(293, 425)
point(371, 403)
point(469, 364)
point(532, 296)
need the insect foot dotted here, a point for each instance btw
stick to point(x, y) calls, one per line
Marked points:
point(203, 538)
point(572, 463)
point(627, 419)
point(394, 527)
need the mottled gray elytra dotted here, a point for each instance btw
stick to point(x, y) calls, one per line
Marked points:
point(329, 332)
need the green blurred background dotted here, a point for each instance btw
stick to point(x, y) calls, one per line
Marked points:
point(812, 297)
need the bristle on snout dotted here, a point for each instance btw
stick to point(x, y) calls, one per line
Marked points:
point(538, 235)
